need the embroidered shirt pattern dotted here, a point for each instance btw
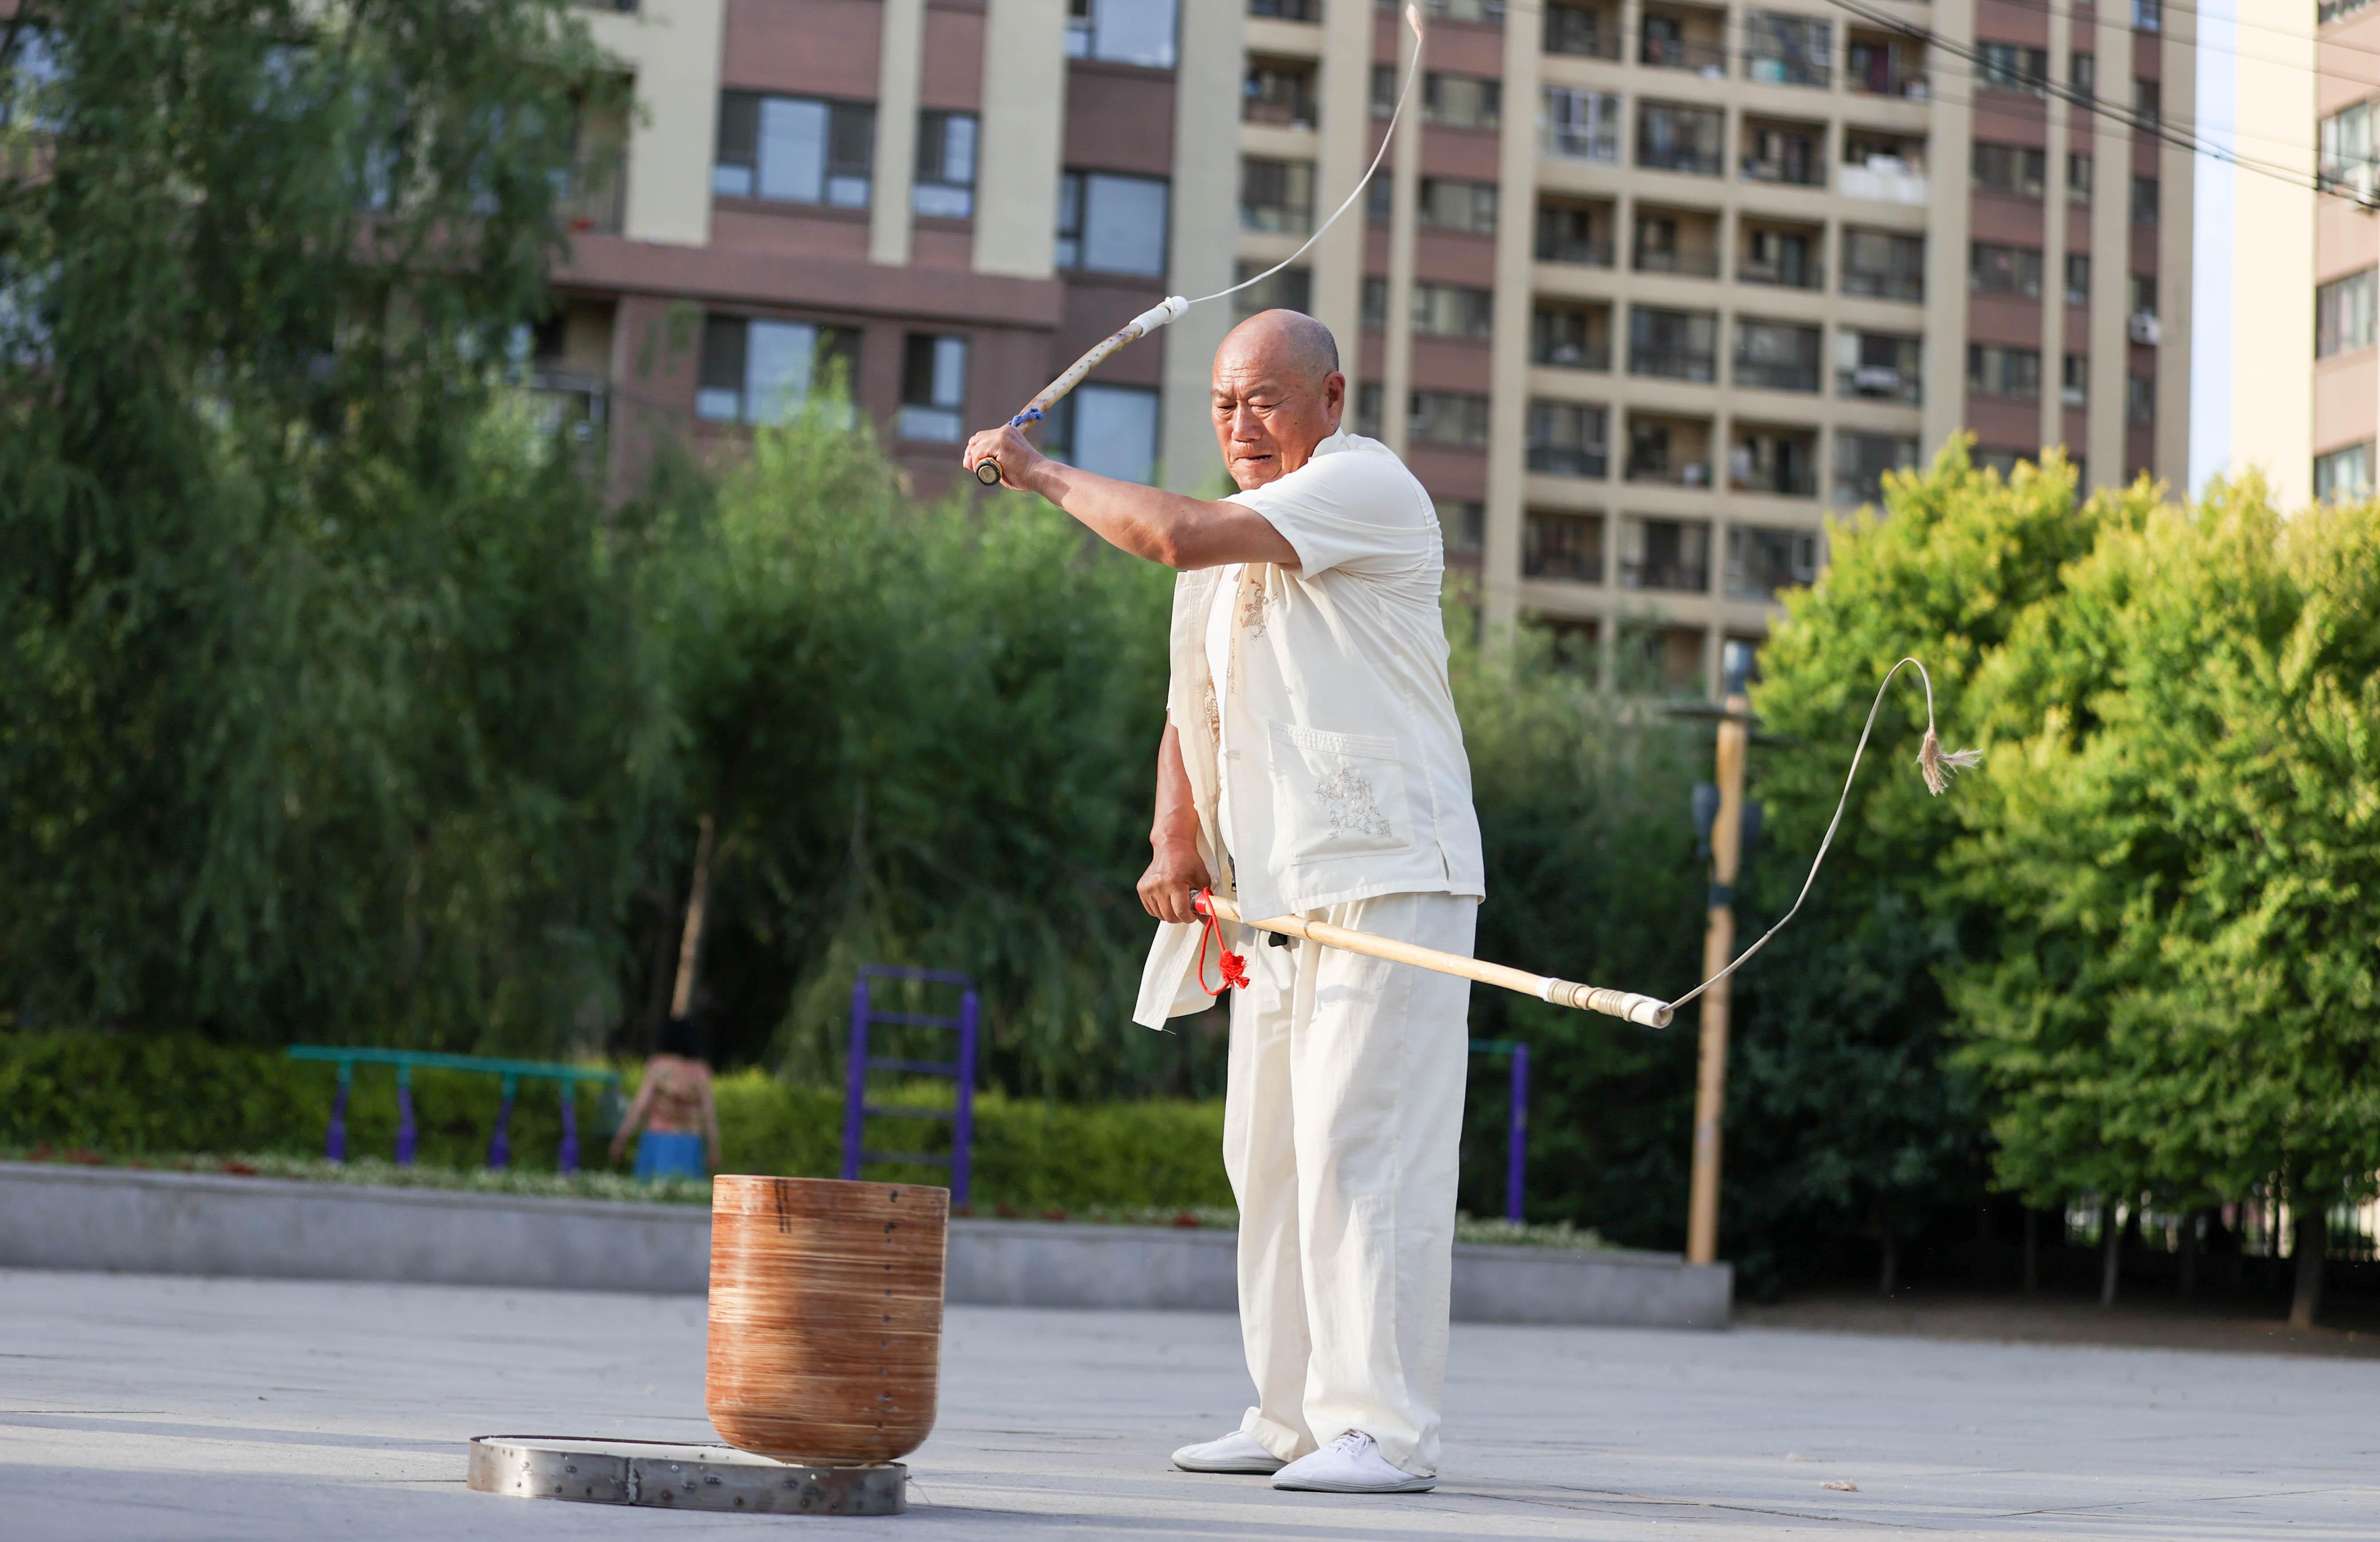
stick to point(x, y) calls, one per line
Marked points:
point(1350, 804)
point(1256, 609)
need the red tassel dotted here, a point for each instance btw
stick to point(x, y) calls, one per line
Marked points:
point(1235, 968)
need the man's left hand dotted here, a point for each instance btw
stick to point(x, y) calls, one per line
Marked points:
point(1006, 447)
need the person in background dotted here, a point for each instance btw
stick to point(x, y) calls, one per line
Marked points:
point(674, 1104)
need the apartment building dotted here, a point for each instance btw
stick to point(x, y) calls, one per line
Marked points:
point(2345, 227)
point(1644, 288)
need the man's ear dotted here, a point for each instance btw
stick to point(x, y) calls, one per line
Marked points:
point(1334, 399)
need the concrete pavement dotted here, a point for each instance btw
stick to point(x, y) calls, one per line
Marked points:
point(153, 1408)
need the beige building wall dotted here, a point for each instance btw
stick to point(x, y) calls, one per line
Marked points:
point(1203, 236)
point(2269, 389)
point(1024, 125)
point(900, 69)
point(673, 48)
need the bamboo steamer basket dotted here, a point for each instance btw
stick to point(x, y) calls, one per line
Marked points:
point(826, 1316)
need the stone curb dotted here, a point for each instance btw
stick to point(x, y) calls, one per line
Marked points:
point(111, 1220)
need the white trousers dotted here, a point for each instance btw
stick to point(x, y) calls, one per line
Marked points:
point(1342, 1112)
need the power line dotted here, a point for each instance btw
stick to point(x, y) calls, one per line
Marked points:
point(2092, 103)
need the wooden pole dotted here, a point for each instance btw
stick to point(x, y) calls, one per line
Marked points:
point(1719, 949)
point(1650, 1011)
point(689, 942)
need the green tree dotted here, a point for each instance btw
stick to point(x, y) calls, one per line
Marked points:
point(2180, 838)
point(1844, 1121)
point(321, 712)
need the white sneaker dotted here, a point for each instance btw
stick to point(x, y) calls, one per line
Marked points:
point(1237, 1452)
point(1350, 1465)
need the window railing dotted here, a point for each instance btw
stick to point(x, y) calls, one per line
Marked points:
point(1878, 382)
point(1569, 459)
point(1883, 284)
point(1776, 375)
point(1792, 479)
point(1673, 363)
point(1688, 265)
point(1563, 353)
point(1678, 53)
point(1674, 474)
point(1792, 171)
point(1558, 245)
point(1287, 10)
point(1581, 34)
point(1692, 159)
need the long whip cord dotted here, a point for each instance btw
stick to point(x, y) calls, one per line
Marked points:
point(1934, 762)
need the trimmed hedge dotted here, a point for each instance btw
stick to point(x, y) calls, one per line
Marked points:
point(137, 1096)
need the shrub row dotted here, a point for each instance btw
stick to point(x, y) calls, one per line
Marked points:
point(128, 1096)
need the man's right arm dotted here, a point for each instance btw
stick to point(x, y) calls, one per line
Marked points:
point(1176, 872)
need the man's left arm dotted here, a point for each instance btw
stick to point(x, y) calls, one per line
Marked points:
point(1180, 532)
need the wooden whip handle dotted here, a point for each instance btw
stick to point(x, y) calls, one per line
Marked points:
point(1636, 1008)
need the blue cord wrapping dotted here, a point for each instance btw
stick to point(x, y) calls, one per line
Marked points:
point(1030, 415)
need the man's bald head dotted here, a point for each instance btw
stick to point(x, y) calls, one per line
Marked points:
point(1289, 344)
point(1277, 394)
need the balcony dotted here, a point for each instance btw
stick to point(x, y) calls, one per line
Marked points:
point(1583, 31)
point(1763, 559)
point(1878, 366)
point(1878, 64)
point(1777, 356)
point(1279, 93)
point(1776, 463)
point(1574, 230)
point(1565, 547)
point(1669, 451)
point(1683, 37)
point(1566, 438)
point(1782, 50)
point(1681, 242)
point(1786, 256)
point(1673, 345)
point(1672, 135)
point(1672, 555)
point(1884, 265)
point(1860, 462)
point(1784, 150)
point(1571, 337)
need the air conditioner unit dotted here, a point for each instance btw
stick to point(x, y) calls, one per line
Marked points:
point(2147, 330)
point(1876, 377)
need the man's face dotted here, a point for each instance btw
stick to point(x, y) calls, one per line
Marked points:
point(1268, 418)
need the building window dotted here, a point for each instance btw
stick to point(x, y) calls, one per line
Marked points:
point(2012, 67)
point(2074, 380)
point(2148, 16)
point(1109, 222)
point(2078, 177)
point(2140, 399)
point(1861, 461)
point(763, 372)
point(1787, 259)
point(1121, 32)
point(2148, 103)
point(2144, 295)
point(1786, 50)
point(2144, 201)
point(1994, 371)
point(1581, 32)
point(1571, 337)
point(945, 185)
point(1278, 92)
point(1287, 10)
point(1276, 196)
point(1439, 309)
point(933, 389)
point(1448, 204)
point(1672, 344)
point(1567, 232)
point(2343, 313)
point(1762, 559)
point(1565, 547)
point(1673, 554)
point(1454, 418)
point(2344, 160)
point(1581, 125)
point(2010, 168)
point(1794, 155)
point(794, 149)
point(1777, 356)
point(1368, 409)
point(2344, 476)
point(1566, 438)
point(1778, 462)
point(1448, 101)
point(1290, 289)
point(1879, 366)
point(1107, 430)
point(2005, 270)
point(1884, 265)
point(2078, 278)
point(1672, 135)
point(1462, 523)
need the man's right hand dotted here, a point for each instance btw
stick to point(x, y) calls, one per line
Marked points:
point(1174, 876)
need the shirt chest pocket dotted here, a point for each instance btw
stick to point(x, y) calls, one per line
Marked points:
point(1336, 795)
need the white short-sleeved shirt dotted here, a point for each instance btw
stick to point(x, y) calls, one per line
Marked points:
point(1316, 720)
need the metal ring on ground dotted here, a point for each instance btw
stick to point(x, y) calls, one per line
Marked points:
point(672, 1475)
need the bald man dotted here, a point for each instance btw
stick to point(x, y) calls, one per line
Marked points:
point(1312, 765)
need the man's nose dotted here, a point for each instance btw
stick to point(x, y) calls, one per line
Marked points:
point(1247, 425)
